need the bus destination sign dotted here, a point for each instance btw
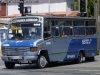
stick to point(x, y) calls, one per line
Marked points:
point(25, 20)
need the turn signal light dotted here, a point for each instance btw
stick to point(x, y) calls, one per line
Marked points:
point(34, 49)
point(40, 19)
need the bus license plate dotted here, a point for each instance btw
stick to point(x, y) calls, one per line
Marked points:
point(16, 57)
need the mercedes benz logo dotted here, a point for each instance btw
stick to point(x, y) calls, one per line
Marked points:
point(16, 49)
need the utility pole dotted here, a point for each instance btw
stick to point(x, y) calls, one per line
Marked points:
point(96, 15)
point(49, 5)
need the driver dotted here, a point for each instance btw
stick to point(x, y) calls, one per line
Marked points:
point(17, 36)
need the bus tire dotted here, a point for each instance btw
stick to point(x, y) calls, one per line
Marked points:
point(41, 61)
point(89, 58)
point(9, 65)
point(80, 58)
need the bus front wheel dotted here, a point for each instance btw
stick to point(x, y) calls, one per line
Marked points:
point(9, 65)
point(41, 62)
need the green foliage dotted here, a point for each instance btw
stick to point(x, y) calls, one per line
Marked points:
point(90, 7)
point(76, 3)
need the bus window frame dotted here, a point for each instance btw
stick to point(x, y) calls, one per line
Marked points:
point(85, 27)
point(71, 20)
point(91, 26)
point(67, 26)
point(47, 31)
point(55, 26)
point(79, 26)
point(89, 20)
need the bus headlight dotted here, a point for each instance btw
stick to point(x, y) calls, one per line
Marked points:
point(34, 49)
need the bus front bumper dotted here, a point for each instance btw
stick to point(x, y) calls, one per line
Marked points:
point(19, 58)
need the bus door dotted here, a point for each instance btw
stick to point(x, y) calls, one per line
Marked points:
point(47, 37)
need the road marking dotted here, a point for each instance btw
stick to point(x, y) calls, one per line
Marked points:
point(90, 70)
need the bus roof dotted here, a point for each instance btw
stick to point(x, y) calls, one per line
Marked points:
point(56, 17)
point(53, 16)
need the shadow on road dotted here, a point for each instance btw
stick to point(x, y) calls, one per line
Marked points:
point(33, 66)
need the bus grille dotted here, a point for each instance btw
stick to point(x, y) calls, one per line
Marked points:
point(15, 50)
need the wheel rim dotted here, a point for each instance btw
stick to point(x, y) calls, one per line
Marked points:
point(80, 57)
point(43, 61)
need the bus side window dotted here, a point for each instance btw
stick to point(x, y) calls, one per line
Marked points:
point(90, 30)
point(47, 30)
point(55, 31)
point(66, 28)
point(62, 28)
point(46, 33)
point(79, 28)
point(69, 28)
point(55, 28)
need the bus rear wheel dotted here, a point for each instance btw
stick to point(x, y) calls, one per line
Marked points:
point(41, 62)
point(9, 65)
point(79, 59)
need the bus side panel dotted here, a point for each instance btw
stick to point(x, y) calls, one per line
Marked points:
point(91, 49)
point(89, 45)
point(60, 47)
point(90, 53)
point(47, 45)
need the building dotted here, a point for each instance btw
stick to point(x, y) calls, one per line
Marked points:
point(57, 7)
point(3, 8)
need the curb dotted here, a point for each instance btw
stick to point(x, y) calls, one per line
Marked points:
point(0, 55)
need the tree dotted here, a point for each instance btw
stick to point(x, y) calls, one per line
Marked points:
point(90, 7)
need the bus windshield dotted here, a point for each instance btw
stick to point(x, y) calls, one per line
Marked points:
point(25, 31)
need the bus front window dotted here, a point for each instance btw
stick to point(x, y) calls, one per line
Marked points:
point(24, 31)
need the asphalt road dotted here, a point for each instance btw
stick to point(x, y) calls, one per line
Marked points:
point(66, 68)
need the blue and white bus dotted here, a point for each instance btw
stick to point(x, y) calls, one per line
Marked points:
point(46, 39)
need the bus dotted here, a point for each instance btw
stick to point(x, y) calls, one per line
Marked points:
point(47, 39)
